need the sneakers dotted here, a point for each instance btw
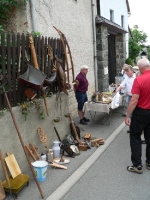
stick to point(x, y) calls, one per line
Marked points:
point(135, 169)
point(83, 122)
point(148, 165)
point(86, 120)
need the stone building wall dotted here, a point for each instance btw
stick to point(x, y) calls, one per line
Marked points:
point(102, 57)
point(120, 52)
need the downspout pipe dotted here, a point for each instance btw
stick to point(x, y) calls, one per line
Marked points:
point(94, 45)
point(33, 15)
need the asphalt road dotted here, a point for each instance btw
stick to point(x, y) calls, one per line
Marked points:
point(108, 178)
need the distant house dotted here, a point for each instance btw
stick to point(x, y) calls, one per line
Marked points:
point(111, 39)
point(143, 54)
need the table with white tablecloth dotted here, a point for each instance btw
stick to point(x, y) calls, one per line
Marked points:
point(101, 107)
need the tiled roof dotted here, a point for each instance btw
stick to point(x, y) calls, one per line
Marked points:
point(111, 25)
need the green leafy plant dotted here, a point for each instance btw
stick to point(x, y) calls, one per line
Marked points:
point(38, 34)
point(25, 110)
point(129, 61)
point(39, 109)
point(6, 8)
point(26, 105)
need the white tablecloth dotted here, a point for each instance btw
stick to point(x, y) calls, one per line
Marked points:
point(100, 107)
point(97, 107)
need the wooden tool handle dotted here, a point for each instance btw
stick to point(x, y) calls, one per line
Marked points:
point(74, 129)
point(34, 150)
point(57, 165)
point(8, 153)
point(30, 152)
point(33, 53)
point(44, 97)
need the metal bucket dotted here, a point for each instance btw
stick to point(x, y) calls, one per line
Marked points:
point(40, 168)
point(33, 77)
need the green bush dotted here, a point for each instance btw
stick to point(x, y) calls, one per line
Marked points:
point(129, 61)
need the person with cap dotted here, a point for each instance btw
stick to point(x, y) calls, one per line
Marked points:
point(80, 92)
point(139, 107)
point(127, 84)
point(123, 72)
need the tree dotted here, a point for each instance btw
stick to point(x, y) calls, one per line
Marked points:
point(136, 42)
point(148, 52)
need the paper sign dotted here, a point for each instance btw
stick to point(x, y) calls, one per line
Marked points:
point(105, 70)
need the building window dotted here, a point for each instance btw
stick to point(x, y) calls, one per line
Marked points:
point(98, 7)
point(122, 20)
point(112, 15)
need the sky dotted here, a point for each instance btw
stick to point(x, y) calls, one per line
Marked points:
point(140, 16)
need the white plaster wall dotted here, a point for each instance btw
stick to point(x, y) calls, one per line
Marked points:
point(120, 8)
point(74, 19)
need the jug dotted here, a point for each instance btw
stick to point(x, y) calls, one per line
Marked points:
point(48, 155)
point(56, 149)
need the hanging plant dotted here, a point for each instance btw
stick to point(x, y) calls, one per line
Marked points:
point(25, 110)
point(26, 105)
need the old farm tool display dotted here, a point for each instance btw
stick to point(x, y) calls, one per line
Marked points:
point(43, 138)
point(50, 80)
point(19, 135)
point(67, 51)
point(32, 150)
point(82, 145)
point(65, 146)
point(33, 77)
point(61, 76)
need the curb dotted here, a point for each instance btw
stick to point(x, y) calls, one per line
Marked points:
point(68, 184)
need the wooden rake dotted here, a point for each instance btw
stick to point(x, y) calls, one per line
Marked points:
point(43, 138)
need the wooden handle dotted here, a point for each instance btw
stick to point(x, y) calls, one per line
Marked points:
point(8, 153)
point(34, 150)
point(33, 53)
point(44, 97)
point(30, 152)
point(74, 129)
point(57, 165)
